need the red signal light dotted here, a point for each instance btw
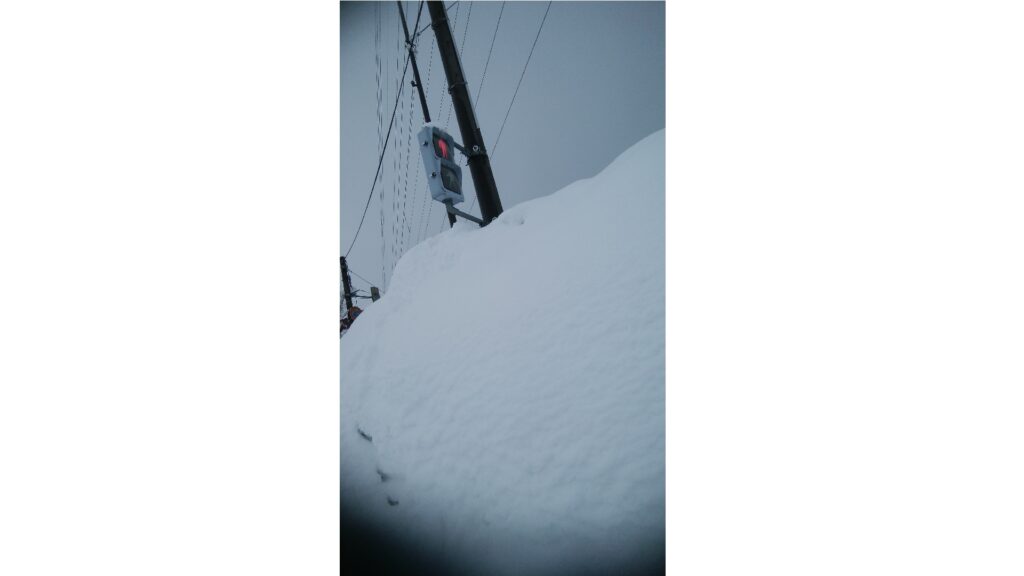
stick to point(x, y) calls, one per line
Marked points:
point(444, 147)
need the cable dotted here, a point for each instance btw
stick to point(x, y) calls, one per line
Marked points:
point(424, 29)
point(498, 139)
point(357, 275)
point(406, 232)
point(454, 22)
point(419, 12)
point(516, 93)
point(381, 160)
point(430, 66)
point(488, 63)
point(410, 216)
point(426, 88)
point(465, 31)
point(396, 150)
point(426, 222)
point(380, 133)
point(407, 218)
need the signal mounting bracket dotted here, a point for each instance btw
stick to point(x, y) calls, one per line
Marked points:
point(453, 210)
point(477, 151)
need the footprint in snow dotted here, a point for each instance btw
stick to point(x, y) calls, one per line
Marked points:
point(384, 476)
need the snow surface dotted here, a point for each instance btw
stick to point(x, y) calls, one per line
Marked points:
point(512, 381)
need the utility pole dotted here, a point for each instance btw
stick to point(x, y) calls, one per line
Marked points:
point(346, 283)
point(472, 138)
point(412, 56)
point(416, 74)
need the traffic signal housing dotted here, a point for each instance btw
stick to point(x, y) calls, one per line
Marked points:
point(444, 175)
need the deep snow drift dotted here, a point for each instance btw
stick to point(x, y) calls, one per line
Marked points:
point(503, 404)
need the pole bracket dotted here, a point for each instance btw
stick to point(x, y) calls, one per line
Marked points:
point(469, 153)
point(456, 84)
point(453, 210)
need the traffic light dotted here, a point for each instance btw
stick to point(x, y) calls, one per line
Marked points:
point(444, 175)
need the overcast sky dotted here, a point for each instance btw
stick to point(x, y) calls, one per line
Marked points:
point(594, 86)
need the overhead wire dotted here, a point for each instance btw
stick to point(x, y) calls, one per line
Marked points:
point(398, 189)
point(358, 275)
point(400, 156)
point(494, 37)
point(483, 76)
point(396, 157)
point(401, 232)
point(441, 105)
point(380, 132)
point(407, 217)
point(388, 176)
point(494, 149)
point(410, 217)
point(380, 161)
point(422, 30)
point(465, 31)
point(426, 91)
point(407, 229)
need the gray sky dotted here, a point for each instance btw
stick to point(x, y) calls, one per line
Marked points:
point(594, 86)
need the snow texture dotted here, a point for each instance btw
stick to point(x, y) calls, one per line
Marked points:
point(505, 400)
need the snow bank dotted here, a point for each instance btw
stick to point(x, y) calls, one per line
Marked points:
point(504, 401)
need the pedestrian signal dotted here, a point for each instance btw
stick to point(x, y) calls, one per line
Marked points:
point(444, 175)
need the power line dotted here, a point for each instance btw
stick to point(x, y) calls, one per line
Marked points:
point(426, 88)
point(426, 223)
point(407, 218)
point(380, 134)
point(388, 178)
point(465, 31)
point(396, 175)
point(498, 139)
point(359, 276)
point(410, 216)
point(380, 161)
point(424, 29)
point(454, 23)
point(494, 37)
point(516, 93)
point(401, 157)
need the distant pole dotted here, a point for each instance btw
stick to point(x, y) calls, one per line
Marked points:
point(346, 283)
point(416, 75)
point(472, 138)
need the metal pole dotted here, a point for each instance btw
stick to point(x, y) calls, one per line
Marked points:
point(472, 138)
point(412, 57)
point(416, 74)
point(346, 283)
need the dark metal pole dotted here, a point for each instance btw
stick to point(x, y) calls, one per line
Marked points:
point(472, 138)
point(346, 283)
point(412, 57)
point(416, 74)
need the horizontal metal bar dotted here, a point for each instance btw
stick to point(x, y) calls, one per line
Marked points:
point(453, 210)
